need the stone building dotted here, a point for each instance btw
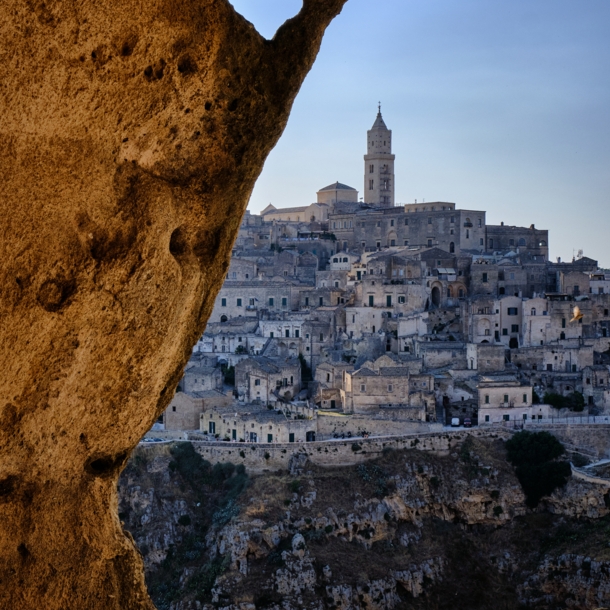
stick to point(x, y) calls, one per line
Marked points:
point(251, 424)
point(504, 398)
point(267, 380)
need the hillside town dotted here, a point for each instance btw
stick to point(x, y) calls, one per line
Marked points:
point(357, 316)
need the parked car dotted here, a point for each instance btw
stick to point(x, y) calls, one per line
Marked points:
point(455, 422)
point(467, 422)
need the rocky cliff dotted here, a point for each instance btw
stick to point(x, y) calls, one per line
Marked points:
point(407, 530)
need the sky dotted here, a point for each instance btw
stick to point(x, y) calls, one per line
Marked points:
point(502, 106)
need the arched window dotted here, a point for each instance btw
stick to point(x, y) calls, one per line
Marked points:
point(521, 241)
point(452, 247)
point(223, 318)
point(542, 243)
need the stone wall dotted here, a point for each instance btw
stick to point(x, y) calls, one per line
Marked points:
point(260, 457)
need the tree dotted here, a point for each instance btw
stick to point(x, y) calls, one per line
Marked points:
point(132, 138)
point(534, 456)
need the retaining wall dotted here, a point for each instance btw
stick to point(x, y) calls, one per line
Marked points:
point(262, 457)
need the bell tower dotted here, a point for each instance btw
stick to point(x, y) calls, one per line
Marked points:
point(379, 165)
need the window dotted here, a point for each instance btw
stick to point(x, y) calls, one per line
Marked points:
point(391, 223)
point(251, 301)
point(284, 301)
point(296, 334)
point(511, 242)
point(505, 332)
point(429, 221)
point(392, 242)
point(269, 438)
point(371, 169)
point(321, 336)
point(212, 427)
point(271, 334)
point(481, 241)
point(291, 437)
point(174, 409)
point(480, 223)
point(257, 382)
point(452, 248)
point(371, 300)
point(562, 336)
point(467, 233)
point(388, 300)
point(306, 301)
point(406, 222)
point(379, 223)
point(505, 398)
point(239, 302)
point(321, 301)
point(223, 302)
point(287, 332)
point(390, 387)
point(485, 278)
point(362, 388)
point(452, 219)
point(378, 245)
point(563, 322)
point(429, 243)
point(271, 301)
point(486, 399)
point(487, 418)
point(514, 328)
point(506, 417)
point(525, 398)
point(402, 299)
point(406, 242)
point(512, 311)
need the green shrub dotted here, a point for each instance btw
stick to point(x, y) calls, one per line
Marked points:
point(534, 456)
point(294, 486)
point(184, 520)
point(328, 529)
point(574, 401)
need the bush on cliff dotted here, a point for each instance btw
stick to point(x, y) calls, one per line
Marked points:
point(534, 456)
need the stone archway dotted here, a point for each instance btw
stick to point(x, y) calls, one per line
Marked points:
point(436, 296)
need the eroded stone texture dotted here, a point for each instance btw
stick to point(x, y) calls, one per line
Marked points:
point(132, 132)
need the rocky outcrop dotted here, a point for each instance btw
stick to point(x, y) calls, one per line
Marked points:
point(132, 135)
point(408, 528)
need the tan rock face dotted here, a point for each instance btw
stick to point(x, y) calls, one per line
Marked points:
point(132, 133)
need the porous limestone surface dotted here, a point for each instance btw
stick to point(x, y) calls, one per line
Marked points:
point(132, 134)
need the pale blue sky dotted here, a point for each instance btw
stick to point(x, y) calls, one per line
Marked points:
point(500, 105)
